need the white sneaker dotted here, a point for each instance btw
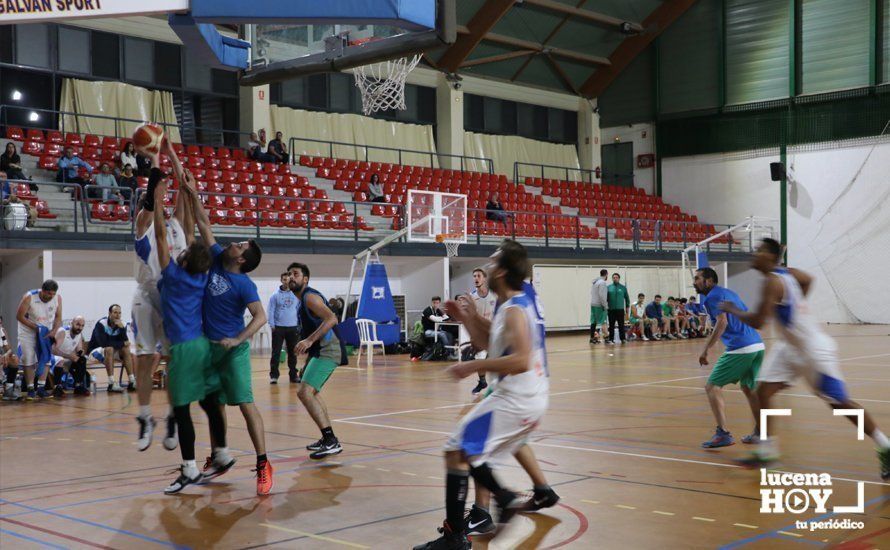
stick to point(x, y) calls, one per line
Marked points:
point(170, 440)
point(146, 431)
point(114, 387)
point(618, 342)
point(645, 339)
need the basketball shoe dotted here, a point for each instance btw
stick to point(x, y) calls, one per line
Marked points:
point(721, 438)
point(263, 477)
point(478, 521)
point(451, 539)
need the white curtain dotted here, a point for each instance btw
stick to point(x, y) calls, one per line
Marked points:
point(505, 150)
point(349, 128)
point(115, 99)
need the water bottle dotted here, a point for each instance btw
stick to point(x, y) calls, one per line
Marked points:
point(93, 384)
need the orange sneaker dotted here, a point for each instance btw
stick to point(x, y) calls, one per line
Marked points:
point(264, 478)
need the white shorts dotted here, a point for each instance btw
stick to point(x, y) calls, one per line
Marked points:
point(147, 323)
point(817, 363)
point(27, 346)
point(497, 427)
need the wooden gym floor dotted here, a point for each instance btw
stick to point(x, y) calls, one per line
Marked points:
point(620, 444)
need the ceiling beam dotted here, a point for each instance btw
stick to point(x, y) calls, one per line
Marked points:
point(566, 81)
point(587, 15)
point(496, 58)
point(537, 46)
point(483, 21)
point(550, 36)
point(656, 23)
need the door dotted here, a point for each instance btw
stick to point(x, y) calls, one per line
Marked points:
point(618, 164)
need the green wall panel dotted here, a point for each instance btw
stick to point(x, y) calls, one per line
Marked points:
point(630, 98)
point(757, 50)
point(689, 60)
point(884, 74)
point(834, 45)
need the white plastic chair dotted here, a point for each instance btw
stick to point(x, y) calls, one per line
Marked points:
point(367, 336)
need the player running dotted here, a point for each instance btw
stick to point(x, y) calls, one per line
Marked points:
point(803, 349)
point(321, 343)
point(146, 307)
point(740, 360)
point(501, 423)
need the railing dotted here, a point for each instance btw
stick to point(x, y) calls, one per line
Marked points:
point(534, 228)
point(464, 162)
point(122, 126)
point(534, 170)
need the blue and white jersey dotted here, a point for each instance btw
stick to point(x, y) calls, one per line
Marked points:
point(39, 312)
point(534, 381)
point(795, 320)
point(148, 268)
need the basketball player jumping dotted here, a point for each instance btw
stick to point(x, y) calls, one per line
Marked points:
point(321, 344)
point(804, 349)
point(146, 307)
point(229, 293)
point(501, 423)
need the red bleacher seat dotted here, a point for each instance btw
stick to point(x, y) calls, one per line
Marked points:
point(122, 212)
point(192, 150)
point(239, 154)
point(208, 151)
point(32, 147)
point(43, 211)
point(35, 135)
point(109, 144)
point(54, 136)
point(73, 139)
point(13, 132)
point(223, 153)
point(102, 212)
point(91, 140)
point(47, 162)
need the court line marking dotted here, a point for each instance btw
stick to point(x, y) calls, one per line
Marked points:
point(313, 536)
point(32, 539)
point(789, 534)
point(745, 525)
point(703, 519)
point(458, 405)
point(659, 512)
point(808, 395)
point(865, 357)
point(625, 507)
point(604, 451)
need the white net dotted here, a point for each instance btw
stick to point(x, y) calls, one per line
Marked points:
point(383, 84)
point(451, 248)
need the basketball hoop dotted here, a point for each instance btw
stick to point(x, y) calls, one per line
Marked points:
point(451, 246)
point(383, 84)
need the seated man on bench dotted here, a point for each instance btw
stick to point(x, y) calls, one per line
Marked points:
point(109, 340)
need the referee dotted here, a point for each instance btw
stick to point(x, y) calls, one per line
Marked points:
point(285, 327)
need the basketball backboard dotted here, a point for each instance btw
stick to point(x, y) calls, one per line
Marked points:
point(436, 217)
point(335, 38)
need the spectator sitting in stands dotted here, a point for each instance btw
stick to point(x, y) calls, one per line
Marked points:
point(127, 156)
point(110, 337)
point(277, 149)
point(494, 211)
point(69, 164)
point(375, 189)
point(8, 196)
point(106, 179)
point(11, 163)
point(255, 146)
point(128, 181)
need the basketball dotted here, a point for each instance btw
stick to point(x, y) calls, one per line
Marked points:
point(148, 138)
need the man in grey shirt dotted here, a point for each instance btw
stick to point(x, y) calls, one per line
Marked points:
point(599, 301)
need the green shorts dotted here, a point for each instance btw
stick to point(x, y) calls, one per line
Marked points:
point(190, 375)
point(233, 366)
point(736, 368)
point(317, 372)
point(634, 320)
point(597, 315)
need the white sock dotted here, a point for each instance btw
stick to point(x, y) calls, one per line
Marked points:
point(221, 454)
point(30, 387)
point(880, 439)
point(144, 411)
point(132, 379)
point(110, 379)
point(190, 468)
point(9, 385)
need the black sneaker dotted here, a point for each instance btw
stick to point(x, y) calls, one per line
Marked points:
point(317, 446)
point(80, 390)
point(509, 509)
point(146, 432)
point(542, 498)
point(327, 449)
point(479, 522)
point(59, 391)
point(480, 386)
point(170, 441)
point(181, 482)
point(450, 540)
point(131, 387)
point(273, 381)
point(294, 379)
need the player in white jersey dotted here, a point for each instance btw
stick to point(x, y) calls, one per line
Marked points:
point(70, 357)
point(146, 309)
point(501, 423)
point(803, 349)
point(486, 301)
point(39, 316)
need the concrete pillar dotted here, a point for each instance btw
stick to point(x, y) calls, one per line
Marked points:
point(589, 139)
point(255, 112)
point(450, 124)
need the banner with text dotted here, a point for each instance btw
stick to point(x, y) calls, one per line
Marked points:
point(34, 11)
